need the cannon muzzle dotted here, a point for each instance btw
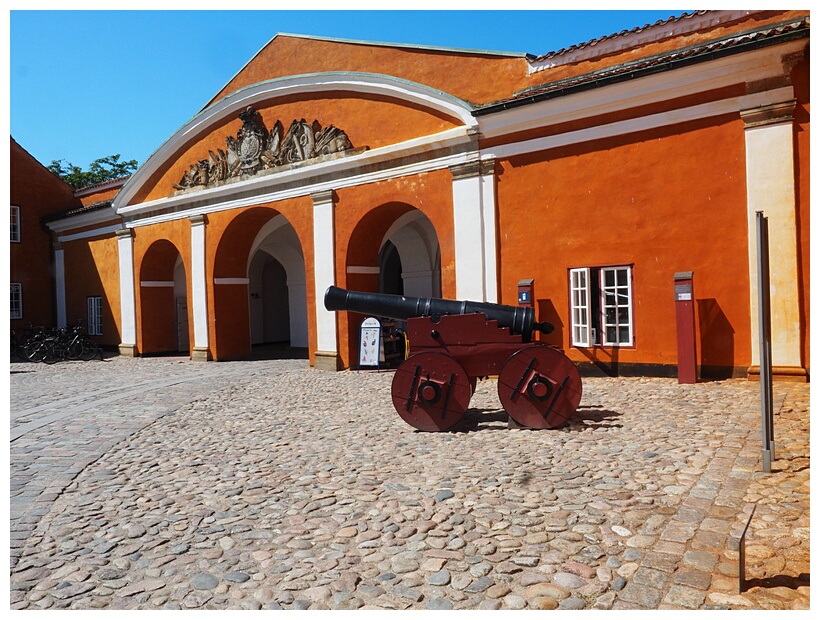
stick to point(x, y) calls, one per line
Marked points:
point(518, 319)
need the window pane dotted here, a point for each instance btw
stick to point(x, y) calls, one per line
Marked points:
point(622, 277)
point(16, 300)
point(610, 334)
point(609, 277)
point(624, 335)
point(15, 224)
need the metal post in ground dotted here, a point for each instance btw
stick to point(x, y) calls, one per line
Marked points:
point(764, 319)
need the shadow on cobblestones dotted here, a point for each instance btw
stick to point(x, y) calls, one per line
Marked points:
point(780, 581)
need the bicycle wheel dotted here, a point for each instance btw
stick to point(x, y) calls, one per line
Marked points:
point(75, 349)
point(90, 350)
point(54, 353)
point(36, 351)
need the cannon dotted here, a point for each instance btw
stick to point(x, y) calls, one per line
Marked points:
point(453, 343)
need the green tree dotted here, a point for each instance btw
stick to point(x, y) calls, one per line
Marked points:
point(100, 170)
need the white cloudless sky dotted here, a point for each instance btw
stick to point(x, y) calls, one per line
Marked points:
point(85, 84)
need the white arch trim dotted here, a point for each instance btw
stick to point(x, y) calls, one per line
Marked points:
point(367, 83)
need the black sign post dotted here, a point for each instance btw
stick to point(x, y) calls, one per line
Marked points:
point(765, 320)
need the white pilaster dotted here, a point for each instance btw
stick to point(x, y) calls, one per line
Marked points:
point(489, 225)
point(468, 228)
point(770, 188)
point(128, 304)
point(59, 274)
point(324, 251)
point(199, 293)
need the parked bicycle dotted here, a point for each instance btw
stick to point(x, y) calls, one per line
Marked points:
point(56, 344)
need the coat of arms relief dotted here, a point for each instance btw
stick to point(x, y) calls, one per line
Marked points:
point(255, 149)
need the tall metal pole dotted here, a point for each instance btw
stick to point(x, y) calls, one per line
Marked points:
point(764, 319)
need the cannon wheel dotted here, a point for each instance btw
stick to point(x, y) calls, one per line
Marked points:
point(431, 391)
point(539, 387)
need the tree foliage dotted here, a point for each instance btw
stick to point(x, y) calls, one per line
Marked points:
point(100, 170)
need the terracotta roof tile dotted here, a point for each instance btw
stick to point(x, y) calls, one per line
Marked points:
point(96, 206)
point(696, 53)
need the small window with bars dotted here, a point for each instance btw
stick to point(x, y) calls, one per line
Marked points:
point(95, 316)
point(15, 224)
point(16, 300)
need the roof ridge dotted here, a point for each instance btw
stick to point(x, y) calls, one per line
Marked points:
point(622, 33)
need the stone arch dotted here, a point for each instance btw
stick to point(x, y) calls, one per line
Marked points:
point(416, 242)
point(277, 286)
point(162, 280)
point(237, 276)
point(392, 233)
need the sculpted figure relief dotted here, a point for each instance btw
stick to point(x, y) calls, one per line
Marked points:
point(255, 148)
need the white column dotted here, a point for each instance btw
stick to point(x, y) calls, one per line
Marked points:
point(59, 273)
point(324, 267)
point(128, 304)
point(468, 228)
point(199, 294)
point(770, 188)
point(488, 222)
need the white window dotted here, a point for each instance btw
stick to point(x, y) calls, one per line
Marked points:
point(16, 300)
point(601, 306)
point(579, 296)
point(15, 224)
point(95, 316)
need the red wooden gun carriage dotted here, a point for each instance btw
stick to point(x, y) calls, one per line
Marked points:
point(453, 343)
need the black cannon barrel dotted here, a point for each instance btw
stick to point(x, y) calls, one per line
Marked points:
point(519, 320)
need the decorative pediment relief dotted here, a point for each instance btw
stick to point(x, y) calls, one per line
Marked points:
point(255, 150)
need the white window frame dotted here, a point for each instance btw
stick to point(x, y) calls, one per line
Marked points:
point(16, 300)
point(15, 224)
point(621, 294)
point(588, 328)
point(580, 310)
point(95, 316)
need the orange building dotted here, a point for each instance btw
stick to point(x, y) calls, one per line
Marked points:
point(35, 193)
point(599, 172)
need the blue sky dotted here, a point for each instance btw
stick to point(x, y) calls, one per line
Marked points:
point(88, 84)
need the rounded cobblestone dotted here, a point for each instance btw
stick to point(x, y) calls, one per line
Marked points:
point(167, 484)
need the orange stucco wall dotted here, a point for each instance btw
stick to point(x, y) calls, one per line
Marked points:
point(38, 193)
point(106, 193)
point(469, 76)
point(92, 269)
point(368, 121)
point(156, 248)
point(599, 204)
point(800, 79)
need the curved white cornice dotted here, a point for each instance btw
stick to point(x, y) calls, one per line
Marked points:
point(232, 104)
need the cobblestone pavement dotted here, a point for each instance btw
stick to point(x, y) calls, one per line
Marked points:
point(169, 484)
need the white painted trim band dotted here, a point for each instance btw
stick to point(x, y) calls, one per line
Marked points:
point(301, 177)
point(97, 232)
point(643, 123)
point(157, 283)
point(363, 270)
point(232, 281)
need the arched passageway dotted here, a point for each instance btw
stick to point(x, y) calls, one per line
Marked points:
point(260, 298)
point(394, 249)
point(277, 288)
point(163, 325)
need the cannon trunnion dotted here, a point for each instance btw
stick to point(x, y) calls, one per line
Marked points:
point(452, 343)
